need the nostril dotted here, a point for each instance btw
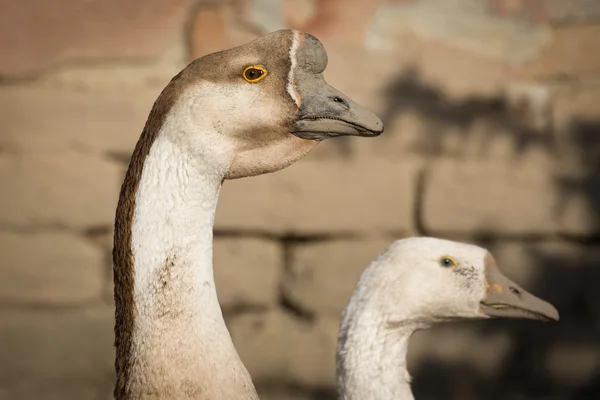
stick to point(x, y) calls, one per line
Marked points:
point(337, 99)
point(514, 290)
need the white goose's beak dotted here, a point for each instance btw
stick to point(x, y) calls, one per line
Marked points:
point(506, 299)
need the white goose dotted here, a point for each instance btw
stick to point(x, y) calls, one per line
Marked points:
point(414, 284)
point(245, 111)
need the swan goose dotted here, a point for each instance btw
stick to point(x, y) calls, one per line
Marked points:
point(241, 112)
point(415, 283)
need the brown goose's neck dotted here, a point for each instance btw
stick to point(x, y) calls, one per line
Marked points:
point(171, 338)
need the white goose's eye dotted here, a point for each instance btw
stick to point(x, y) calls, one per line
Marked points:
point(448, 262)
point(254, 73)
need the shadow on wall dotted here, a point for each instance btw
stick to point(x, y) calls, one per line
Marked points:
point(545, 361)
point(471, 116)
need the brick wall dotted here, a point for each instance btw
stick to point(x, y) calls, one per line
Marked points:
point(492, 113)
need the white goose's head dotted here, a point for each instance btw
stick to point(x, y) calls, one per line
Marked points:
point(421, 281)
point(261, 106)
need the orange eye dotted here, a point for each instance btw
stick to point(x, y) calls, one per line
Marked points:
point(254, 73)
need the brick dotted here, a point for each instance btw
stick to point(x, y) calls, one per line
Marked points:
point(578, 103)
point(279, 348)
point(105, 242)
point(318, 197)
point(104, 238)
point(568, 54)
point(462, 24)
point(553, 11)
point(62, 389)
point(464, 129)
point(272, 391)
point(468, 73)
point(461, 344)
point(573, 364)
point(48, 119)
point(579, 210)
point(445, 66)
point(47, 345)
point(466, 48)
point(323, 275)
point(576, 112)
point(109, 290)
point(50, 268)
point(210, 30)
point(213, 29)
point(490, 198)
point(138, 29)
point(304, 12)
point(488, 350)
point(69, 189)
point(247, 271)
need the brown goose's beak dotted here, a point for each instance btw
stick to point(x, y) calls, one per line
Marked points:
point(326, 113)
point(505, 299)
point(323, 111)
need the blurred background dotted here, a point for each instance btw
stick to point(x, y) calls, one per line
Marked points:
point(492, 115)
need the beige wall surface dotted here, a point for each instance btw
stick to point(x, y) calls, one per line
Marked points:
point(492, 115)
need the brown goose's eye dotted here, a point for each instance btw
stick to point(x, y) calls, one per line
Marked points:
point(254, 73)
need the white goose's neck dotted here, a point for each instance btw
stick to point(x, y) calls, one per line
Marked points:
point(180, 343)
point(371, 358)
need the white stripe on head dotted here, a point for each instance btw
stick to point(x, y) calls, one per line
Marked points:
point(291, 86)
